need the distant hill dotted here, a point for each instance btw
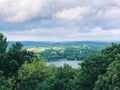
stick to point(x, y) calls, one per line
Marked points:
point(31, 43)
point(54, 44)
point(51, 51)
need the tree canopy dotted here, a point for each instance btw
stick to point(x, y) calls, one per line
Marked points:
point(21, 70)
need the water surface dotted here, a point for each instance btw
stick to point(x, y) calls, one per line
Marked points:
point(72, 63)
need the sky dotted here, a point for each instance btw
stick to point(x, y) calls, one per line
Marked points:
point(60, 20)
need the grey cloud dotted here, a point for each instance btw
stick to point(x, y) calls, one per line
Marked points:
point(58, 20)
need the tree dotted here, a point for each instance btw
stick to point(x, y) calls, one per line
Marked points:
point(15, 57)
point(3, 47)
point(3, 44)
point(32, 74)
point(111, 79)
point(61, 79)
point(12, 58)
point(96, 65)
point(89, 71)
point(2, 80)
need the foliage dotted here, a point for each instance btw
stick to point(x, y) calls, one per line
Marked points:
point(12, 58)
point(20, 70)
point(69, 53)
point(97, 65)
point(31, 74)
point(3, 47)
point(2, 80)
point(111, 79)
point(51, 54)
point(3, 44)
point(60, 79)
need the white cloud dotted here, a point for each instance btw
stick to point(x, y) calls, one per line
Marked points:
point(112, 13)
point(97, 34)
point(109, 13)
point(105, 2)
point(60, 19)
point(20, 10)
point(73, 13)
point(108, 17)
point(41, 34)
point(63, 34)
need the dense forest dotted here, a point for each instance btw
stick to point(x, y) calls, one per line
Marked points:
point(69, 53)
point(54, 51)
point(22, 70)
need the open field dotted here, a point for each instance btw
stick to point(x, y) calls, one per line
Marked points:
point(37, 49)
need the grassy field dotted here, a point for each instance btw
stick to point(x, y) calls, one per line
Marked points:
point(42, 46)
point(41, 49)
point(37, 49)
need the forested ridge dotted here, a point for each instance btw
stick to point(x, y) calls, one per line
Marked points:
point(69, 53)
point(22, 70)
point(54, 51)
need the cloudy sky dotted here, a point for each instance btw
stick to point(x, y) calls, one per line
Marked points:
point(60, 20)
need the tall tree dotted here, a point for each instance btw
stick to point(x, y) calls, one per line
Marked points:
point(111, 80)
point(16, 56)
point(3, 47)
point(32, 74)
point(61, 79)
point(96, 65)
point(3, 43)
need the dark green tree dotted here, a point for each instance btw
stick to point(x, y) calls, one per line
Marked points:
point(89, 71)
point(11, 59)
point(2, 80)
point(111, 80)
point(61, 79)
point(32, 74)
point(16, 56)
point(3, 48)
point(96, 65)
point(3, 44)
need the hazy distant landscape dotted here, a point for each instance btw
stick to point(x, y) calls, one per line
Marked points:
point(45, 65)
point(30, 44)
point(59, 53)
point(59, 44)
point(51, 51)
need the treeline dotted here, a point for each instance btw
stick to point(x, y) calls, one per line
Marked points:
point(69, 53)
point(21, 70)
point(28, 44)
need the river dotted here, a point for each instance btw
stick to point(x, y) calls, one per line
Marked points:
point(58, 63)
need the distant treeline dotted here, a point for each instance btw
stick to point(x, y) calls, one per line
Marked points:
point(78, 50)
point(69, 53)
point(60, 44)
